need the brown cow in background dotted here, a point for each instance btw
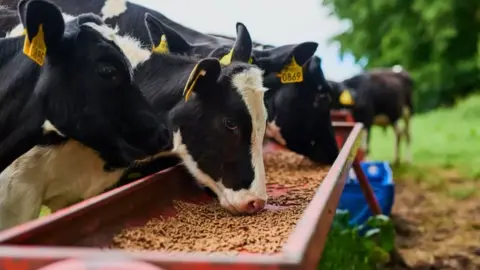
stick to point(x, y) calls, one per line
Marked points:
point(379, 97)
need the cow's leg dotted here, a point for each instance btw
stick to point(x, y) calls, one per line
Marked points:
point(398, 136)
point(408, 150)
point(366, 140)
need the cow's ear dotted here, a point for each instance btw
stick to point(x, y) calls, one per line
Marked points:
point(304, 51)
point(44, 26)
point(203, 75)
point(276, 59)
point(242, 49)
point(163, 38)
point(20, 8)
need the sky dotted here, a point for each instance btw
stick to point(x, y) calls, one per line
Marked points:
point(274, 22)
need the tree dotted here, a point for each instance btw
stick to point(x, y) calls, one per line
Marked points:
point(437, 41)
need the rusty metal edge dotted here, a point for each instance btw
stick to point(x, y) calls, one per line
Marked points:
point(75, 209)
point(326, 198)
point(292, 255)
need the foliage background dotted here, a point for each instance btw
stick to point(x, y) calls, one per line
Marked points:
point(436, 41)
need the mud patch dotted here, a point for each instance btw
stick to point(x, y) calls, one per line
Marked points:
point(436, 230)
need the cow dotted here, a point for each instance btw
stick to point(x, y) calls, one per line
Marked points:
point(299, 111)
point(379, 97)
point(126, 16)
point(215, 115)
point(72, 117)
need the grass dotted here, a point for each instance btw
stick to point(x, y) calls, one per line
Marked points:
point(446, 158)
point(445, 144)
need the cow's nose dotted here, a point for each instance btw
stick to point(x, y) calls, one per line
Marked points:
point(252, 206)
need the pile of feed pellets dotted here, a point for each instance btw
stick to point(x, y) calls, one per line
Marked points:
point(291, 182)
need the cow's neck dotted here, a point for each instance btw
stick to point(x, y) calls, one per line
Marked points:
point(22, 115)
point(162, 79)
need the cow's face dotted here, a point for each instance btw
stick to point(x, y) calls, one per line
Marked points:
point(87, 86)
point(218, 128)
point(220, 133)
point(299, 114)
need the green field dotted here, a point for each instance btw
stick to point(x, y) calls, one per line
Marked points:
point(445, 168)
point(444, 140)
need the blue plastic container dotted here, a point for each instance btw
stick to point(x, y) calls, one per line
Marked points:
point(380, 177)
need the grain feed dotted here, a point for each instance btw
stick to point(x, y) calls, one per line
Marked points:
point(209, 228)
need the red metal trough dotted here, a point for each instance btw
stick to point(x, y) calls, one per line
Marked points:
point(81, 230)
point(346, 116)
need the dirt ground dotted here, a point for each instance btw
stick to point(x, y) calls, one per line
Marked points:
point(435, 230)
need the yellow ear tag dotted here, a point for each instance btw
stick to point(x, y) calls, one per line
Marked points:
point(346, 98)
point(36, 49)
point(191, 83)
point(227, 59)
point(26, 44)
point(162, 47)
point(291, 73)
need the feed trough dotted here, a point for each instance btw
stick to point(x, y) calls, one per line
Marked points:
point(85, 230)
point(345, 115)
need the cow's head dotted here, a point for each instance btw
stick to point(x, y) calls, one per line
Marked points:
point(86, 85)
point(283, 91)
point(299, 113)
point(219, 125)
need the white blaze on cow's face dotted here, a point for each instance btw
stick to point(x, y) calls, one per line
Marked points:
point(250, 86)
point(225, 156)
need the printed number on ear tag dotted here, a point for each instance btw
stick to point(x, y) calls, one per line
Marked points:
point(163, 46)
point(36, 49)
point(292, 73)
point(346, 98)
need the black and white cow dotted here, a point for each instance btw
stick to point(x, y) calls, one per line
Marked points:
point(379, 97)
point(72, 117)
point(298, 113)
point(128, 17)
point(218, 130)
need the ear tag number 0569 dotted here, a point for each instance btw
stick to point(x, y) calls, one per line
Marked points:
point(292, 73)
point(36, 49)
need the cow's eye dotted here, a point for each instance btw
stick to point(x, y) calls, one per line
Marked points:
point(230, 124)
point(107, 71)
